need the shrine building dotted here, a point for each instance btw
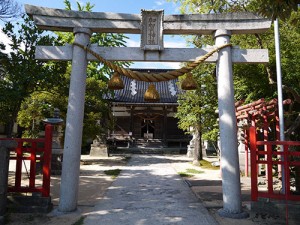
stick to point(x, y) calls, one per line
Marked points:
point(139, 122)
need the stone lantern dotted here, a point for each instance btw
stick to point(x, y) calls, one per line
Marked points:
point(57, 149)
point(99, 147)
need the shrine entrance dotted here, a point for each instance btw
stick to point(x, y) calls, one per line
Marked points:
point(152, 25)
point(148, 129)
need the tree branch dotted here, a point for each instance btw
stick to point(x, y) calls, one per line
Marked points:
point(293, 92)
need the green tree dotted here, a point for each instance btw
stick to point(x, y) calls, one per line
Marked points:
point(258, 81)
point(97, 109)
point(197, 109)
point(269, 8)
point(281, 9)
point(21, 74)
point(33, 110)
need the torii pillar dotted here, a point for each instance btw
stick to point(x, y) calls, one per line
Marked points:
point(232, 203)
point(62, 20)
point(74, 124)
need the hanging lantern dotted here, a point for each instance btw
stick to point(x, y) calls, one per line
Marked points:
point(151, 95)
point(189, 82)
point(115, 82)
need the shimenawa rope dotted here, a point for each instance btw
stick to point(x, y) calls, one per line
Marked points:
point(152, 77)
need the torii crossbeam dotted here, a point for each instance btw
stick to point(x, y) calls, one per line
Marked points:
point(83, 24)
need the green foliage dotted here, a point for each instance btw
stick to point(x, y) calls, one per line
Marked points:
point(97, 110)
point(193, 171)
point(251, 82)
point(40, 102)
point(207, 165)
point(269, 8)
point(190, 172)
point(113, 173)
point(80, 221)
point(185, 174)
point(277, 9)
point(33, 110)
point(21, 74)
point(97, 115)
point(197, 108)
point(96, 69)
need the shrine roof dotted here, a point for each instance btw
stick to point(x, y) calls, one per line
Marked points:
point(134, 90)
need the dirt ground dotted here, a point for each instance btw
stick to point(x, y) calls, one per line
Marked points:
point(94, 182)
point(93, 185)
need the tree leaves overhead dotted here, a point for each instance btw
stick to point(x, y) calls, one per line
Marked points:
point(21, 74)
point(96, 69)
point(277, 8)
point(268, 8)
point(33, 88)
point(251, 82)
point(197, 109)
point(41, 103)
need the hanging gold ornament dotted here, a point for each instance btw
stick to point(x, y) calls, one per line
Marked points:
point(151, 95)
point(189, 82)
point(115, 82)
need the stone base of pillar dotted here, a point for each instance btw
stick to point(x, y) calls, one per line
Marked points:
point(227, 214)
point(100, 150)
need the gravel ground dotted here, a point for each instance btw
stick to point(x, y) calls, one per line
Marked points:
point(94, 183)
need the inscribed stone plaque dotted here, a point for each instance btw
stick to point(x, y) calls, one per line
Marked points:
point(152, 30)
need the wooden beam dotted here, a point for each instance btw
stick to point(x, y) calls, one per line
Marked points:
point(137, 54)
point(102, 22)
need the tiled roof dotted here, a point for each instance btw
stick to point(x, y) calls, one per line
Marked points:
point(134, 90)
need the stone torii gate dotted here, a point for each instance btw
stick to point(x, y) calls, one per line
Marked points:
point(83, 24)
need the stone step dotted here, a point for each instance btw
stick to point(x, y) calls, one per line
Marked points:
point(158, 143)
point(161, 151)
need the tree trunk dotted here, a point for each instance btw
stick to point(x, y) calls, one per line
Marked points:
point(9, 129)
point(198, 147)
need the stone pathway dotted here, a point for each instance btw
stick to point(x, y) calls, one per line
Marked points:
point(149, 191)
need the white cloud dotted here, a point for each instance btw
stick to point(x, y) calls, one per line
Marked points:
point(168, 43)
point(175, 44)
point(156, 65)
point(5, 40)
point(159, 3)
point(133, 43)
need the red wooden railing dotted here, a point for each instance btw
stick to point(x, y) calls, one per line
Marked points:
point(34, 150)
point(274, 153)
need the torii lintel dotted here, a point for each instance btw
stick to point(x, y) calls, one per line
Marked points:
point(103, 22)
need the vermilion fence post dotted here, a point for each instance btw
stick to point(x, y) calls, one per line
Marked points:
point(32, 165)
point(18, 175)
point(269, 168)
point(253, 149)
point(286, 167)
point(246, 153)
point(47, 161)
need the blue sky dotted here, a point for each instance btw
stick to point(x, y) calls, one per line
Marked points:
point(121, 6)
point(126, 6)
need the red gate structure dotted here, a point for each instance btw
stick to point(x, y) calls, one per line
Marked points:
point(261, 114)
point(249, 114)
point(34, 150)
point(272, 154)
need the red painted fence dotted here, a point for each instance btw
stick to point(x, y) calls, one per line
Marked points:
point(273, 154)
point(34, 150)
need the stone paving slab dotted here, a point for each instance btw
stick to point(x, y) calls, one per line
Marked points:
point(149, 191)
